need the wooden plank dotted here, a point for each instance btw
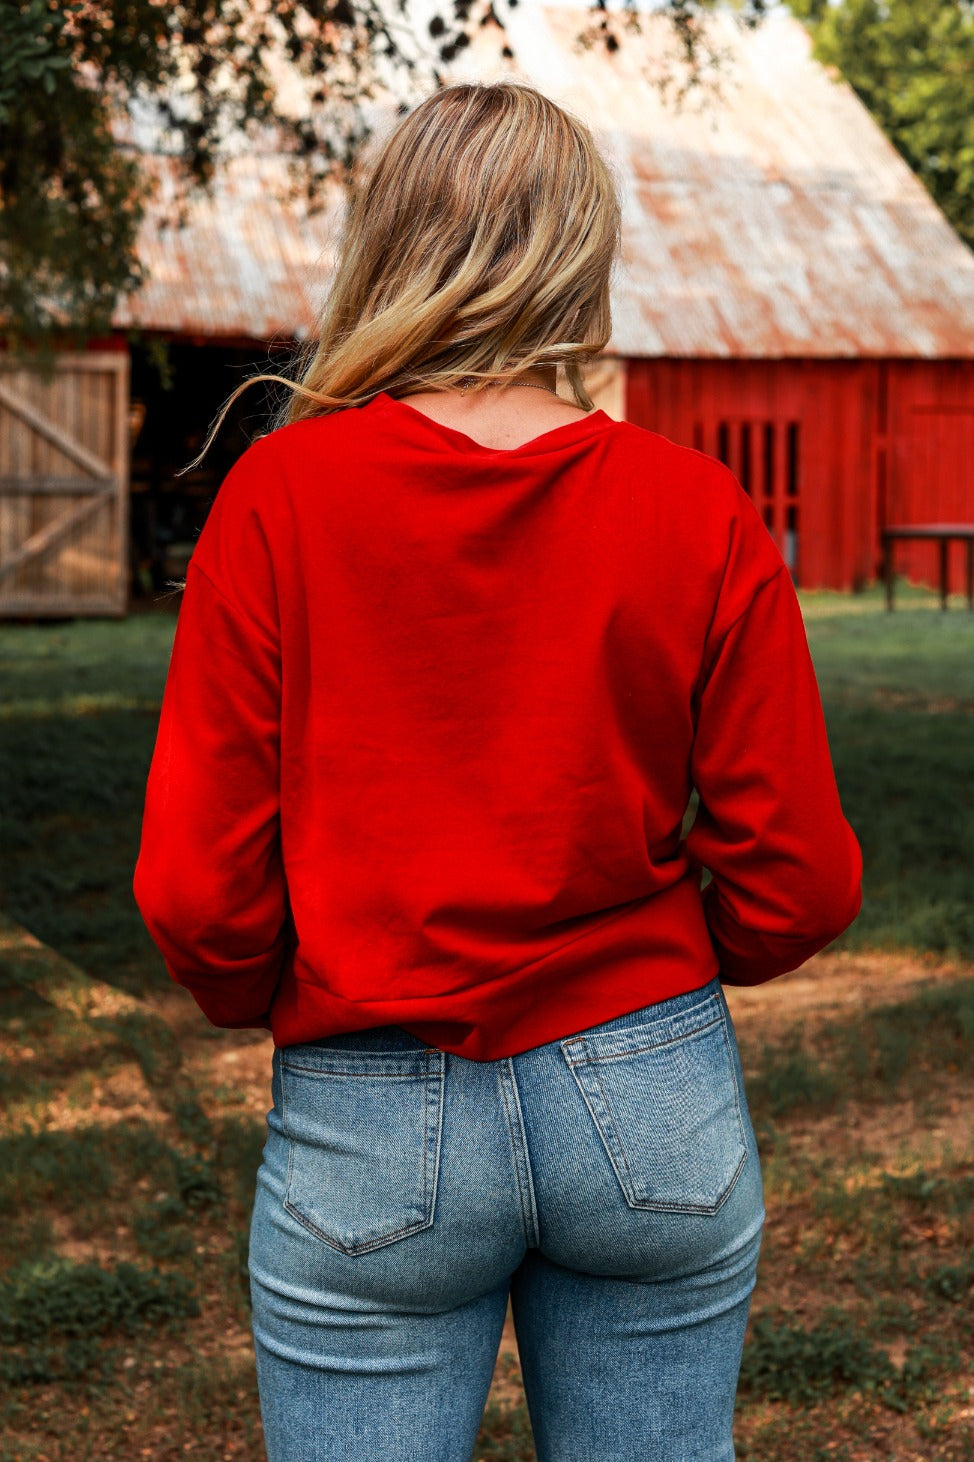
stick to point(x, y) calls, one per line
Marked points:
point(15, 515)
point(32, 486)
point(816, 478)
point(73, 554)
point(760, 492)
point(46, 539)
point(44, 428)
point(709, 407)
point(86, 418)
point(40, 606)
point(121, 525)
point(779, 478)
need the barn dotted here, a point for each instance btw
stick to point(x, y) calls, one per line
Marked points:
point(789, 299)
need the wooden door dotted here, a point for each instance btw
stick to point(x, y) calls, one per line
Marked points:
point(930, 459)
point(64, 487)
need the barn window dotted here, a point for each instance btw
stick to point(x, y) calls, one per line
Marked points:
point(764, 456)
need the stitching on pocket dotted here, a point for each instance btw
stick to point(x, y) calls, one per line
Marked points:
point(431, 1106)
point(697, 1030)
point(607, 1126)
point(679, 1025)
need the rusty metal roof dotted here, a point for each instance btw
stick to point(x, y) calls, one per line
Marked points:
point(770, 219)
point(249, 262)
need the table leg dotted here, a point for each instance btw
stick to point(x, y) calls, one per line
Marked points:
point(888, 569)
point(943, 573)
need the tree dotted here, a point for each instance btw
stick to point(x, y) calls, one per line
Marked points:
point(912, 63)
point(72, 192)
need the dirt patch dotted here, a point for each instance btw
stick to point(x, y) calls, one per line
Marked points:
point(199, 1384)
point(834, 986)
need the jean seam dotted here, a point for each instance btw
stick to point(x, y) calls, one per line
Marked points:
point(618, 1139)
point(429, 1192)
point(519, 1152)
point(592, 1060)
point(350, 1075)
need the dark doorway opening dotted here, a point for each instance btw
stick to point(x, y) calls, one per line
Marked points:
point(177, 390)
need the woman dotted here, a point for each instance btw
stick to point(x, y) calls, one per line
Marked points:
point(452, 656)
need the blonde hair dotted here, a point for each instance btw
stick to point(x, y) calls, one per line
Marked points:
point(479, 244)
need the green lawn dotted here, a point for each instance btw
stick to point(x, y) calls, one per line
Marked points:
point(127, 1157)
point(80, 708)
point(899, 701)
point(78, 719)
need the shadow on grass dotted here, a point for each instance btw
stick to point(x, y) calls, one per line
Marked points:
point(891, 1050)
point(81, 712)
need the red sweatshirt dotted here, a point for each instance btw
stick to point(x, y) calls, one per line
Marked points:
point(432, 720)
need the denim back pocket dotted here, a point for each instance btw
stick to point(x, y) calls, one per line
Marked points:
point(665, 1101)
point(363, 1129)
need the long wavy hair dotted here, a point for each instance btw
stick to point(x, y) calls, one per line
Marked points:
point(479, 243)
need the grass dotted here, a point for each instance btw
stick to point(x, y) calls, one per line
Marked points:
point(77, 728)
point(130, 1313)
point(128, 1154)
point(80, 711)
point(898, 692)
point(905, 1050)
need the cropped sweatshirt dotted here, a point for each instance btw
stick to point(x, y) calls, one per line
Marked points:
point(433, 717)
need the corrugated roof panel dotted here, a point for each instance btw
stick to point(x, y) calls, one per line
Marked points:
point(775, 220)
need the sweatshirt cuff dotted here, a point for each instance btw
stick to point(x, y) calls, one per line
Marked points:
point(235, 994)
point(753, 957)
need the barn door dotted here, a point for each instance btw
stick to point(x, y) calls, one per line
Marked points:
point(930, 455)
point(64, 487)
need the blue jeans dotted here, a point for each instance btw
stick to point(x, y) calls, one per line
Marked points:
point(608, 1184)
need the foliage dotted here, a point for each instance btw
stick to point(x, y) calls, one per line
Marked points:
point(81, 82)
point(29, 54)
point(912, 63)
point(56, 1296)
point(52, 1311)
point(785, 1362)
point(505, 1434)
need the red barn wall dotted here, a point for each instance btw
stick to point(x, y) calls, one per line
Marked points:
point(828, 450)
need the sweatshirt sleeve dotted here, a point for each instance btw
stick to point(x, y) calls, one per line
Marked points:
point(209, 880)
point(786, 866)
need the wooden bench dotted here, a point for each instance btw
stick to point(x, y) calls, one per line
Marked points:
point(944, 534)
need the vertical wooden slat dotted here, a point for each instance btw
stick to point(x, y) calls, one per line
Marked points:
point(87, 408)
point(759, 488)
point(120, 464)
point(22, 464)
point(35, 513)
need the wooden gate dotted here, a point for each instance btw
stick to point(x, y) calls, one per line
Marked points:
point(64, 526)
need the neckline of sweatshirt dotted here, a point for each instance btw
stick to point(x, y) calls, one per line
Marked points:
point(557, 437)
